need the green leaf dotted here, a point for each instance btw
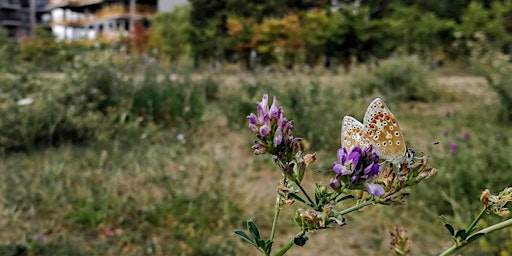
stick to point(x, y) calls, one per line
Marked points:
point(245, 237)
point(268, 246)
point(461, 233)
point(447, 225)
point(261, 243)
point(251, 226)
point(300, 240)
point(298, 198)
point(344, 198)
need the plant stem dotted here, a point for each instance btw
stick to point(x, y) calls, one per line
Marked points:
point(306, 194)
point(276, 216)
point(288, 245)
point(475, 221)
point(484, 231)
point(356, 207)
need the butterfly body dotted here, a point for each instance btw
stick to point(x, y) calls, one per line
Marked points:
point(380, 129)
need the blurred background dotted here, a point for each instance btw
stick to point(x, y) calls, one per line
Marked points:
point(123, 124)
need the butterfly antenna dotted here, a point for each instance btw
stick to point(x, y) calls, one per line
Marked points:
point(425, 145)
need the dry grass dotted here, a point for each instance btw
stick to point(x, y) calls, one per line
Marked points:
point(40, 190)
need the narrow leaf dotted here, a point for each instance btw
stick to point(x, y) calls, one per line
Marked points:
point(447, 225)
point(344, 198)
point(298, 198)
point(245, 237)
point(251, 226)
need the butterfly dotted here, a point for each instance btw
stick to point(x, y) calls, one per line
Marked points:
point(379, 129)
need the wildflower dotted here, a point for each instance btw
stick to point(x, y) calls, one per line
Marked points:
point(449, 113)
point(453, 147)
point(270, 126)
point(445, 132)
point(359, 166)
point(375, 189)
point(41, 237)
point(466, 135)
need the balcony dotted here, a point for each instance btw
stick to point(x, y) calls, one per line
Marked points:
point(10, 4)
point(112, 11)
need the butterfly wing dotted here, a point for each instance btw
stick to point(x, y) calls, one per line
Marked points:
point(352, 133)
point(383, 131)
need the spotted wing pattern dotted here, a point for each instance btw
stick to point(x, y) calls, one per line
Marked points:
point(352, 133)
point(382, 130)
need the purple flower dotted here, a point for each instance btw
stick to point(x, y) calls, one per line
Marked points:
point(41, 237)
point(445, 132)
point(358, 165)
point(270, 126)
point(334, 183)
point(449, 113)
point(375, 189)
point(466, 135)
point(453, 147)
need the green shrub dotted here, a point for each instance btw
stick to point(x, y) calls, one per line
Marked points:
point(396, 79)
point(97, 100)
point(168, 102)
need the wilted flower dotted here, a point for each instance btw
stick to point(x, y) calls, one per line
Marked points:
point(497, 203)
point(400, 241)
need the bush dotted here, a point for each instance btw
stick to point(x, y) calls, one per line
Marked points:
point(98, 100)
point(168, 102)
point(397, 79)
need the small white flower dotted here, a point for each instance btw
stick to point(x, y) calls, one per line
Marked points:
point(180, 137)
point(25, 101)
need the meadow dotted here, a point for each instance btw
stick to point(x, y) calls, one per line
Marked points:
point(115, 157)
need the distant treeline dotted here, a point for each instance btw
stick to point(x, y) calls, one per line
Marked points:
point(290, 33)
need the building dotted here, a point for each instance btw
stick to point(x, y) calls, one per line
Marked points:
point(20, 17)
point(105, 20)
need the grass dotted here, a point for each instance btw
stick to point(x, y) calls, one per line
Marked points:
point(166, 196)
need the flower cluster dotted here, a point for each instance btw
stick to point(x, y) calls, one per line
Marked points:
point(497, 203)
point(271, 127)
point(355, 168)
point(396, 180)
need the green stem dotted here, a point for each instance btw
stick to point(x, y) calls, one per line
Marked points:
point(306, 194)
point(356, 207)
point(475, 221)
point(276, 216)
point(288, 245)
point(484, 231)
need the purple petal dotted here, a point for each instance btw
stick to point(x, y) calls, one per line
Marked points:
point(253, 122)
point(274, 109)
point(340, 153)
point(334, 183)
point(375, 189)
point(264, 130)
point(278, 138)
point(263, 107)
point(372, 170)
